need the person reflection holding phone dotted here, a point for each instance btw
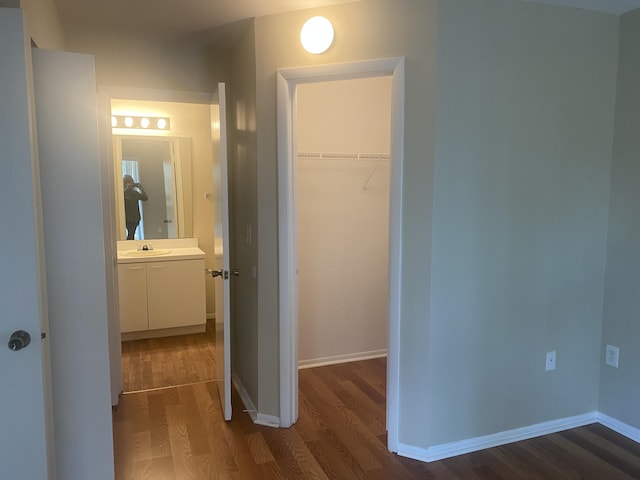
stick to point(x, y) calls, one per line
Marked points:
point(133, 192)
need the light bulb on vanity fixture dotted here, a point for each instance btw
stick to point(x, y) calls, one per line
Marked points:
point(317, 35)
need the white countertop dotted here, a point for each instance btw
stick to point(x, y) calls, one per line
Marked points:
point(188, 253)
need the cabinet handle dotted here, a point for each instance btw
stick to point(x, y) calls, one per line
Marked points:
point(135, 268)
point(157, 267)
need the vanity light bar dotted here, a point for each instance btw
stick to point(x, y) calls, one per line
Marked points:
point(143, 123)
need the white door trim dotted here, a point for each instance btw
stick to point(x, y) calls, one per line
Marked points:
point(287, 81)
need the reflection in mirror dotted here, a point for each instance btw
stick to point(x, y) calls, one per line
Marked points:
point(152, 176)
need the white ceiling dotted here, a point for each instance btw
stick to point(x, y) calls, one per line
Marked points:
point(202, 21)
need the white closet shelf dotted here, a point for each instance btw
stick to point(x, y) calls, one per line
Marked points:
point(375, 157)
point(344, 156)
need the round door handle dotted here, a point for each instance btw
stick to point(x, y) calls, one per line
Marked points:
point(19, 340)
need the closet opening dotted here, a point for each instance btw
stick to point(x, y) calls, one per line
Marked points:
point(340, 164)
point(343, 136)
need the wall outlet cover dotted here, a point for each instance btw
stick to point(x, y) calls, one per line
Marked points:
point(551, 361)
point(612, 355)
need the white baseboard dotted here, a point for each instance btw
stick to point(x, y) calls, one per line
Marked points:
point(453, 449)
point(250, 408)
point(350, 357)
point(620, 427)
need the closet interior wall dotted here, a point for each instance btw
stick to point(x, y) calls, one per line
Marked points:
point(342, 200)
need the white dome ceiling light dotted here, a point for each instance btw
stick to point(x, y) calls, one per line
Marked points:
point(317, 35)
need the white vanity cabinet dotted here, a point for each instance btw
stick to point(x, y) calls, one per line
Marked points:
point(157, 295)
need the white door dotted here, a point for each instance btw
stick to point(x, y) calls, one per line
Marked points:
point(23, 435)
point(76, 266)
point(221, 239)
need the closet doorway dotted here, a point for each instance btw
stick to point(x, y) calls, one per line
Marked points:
point(340, 138)
point(342, 219)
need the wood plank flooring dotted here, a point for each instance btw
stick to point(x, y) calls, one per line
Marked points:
point(179, 434)
point(169, 361)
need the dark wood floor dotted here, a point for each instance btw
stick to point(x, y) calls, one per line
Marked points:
point(169, 361)
point(179, 433)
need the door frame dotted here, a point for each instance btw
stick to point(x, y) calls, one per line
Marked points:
point(287, 81)
point(105, 95)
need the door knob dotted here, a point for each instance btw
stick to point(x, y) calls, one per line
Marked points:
point(19, 340)
point(216, 273)
point(235, 272)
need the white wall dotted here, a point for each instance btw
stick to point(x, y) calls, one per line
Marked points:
point(194, 121)
point(343, 220)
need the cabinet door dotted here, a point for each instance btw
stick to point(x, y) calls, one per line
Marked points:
point(175, 292)
point(132, 289)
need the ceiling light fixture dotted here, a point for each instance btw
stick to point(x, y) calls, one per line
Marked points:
point(317, 35)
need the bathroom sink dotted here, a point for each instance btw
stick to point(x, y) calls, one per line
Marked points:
point(145, 253)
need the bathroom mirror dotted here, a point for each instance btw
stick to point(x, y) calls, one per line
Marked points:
point(162, 167)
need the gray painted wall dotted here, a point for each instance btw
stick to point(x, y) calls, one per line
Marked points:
point(619, 388)
point(525, 121)
point(43, 23)
point(365, 30)
point(524, 132)
point(525, 113)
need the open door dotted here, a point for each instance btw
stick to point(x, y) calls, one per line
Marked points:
point(221, 239)
point(23, 436)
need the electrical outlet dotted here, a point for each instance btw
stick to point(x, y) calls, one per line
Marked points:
point(612, 355)
point(551, 361)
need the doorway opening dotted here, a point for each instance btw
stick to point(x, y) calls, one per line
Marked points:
point(291, 91)
point(343, 130)
point(176, 171)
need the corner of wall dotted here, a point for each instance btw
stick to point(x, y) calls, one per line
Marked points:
point(43, 24)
